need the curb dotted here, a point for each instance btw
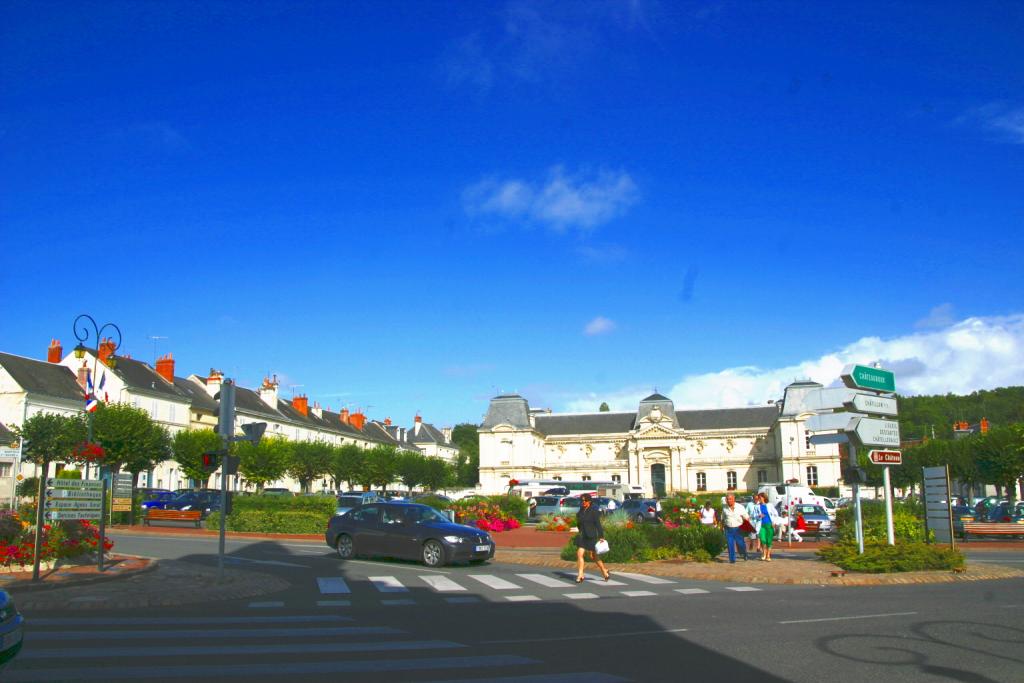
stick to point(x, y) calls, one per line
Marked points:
point(183, 532)
point(30, 586)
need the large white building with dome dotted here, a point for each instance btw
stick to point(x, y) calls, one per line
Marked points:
point(662, 449)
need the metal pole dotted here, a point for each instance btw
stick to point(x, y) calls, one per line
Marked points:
point(223, 515)
point(226, 428)
point(103, 517)
point(890, 534)
point(40, 505)
point(858, 522)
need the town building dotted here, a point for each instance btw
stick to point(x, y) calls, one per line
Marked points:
point(659, 448)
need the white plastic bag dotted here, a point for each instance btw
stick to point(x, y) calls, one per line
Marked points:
point(601, 547)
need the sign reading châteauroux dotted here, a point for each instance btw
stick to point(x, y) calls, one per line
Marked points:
point(873, 379)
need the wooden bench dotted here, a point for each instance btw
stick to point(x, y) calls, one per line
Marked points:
point(155, 514)
point(992, 529)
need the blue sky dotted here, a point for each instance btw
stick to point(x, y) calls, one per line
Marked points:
point(410, 206)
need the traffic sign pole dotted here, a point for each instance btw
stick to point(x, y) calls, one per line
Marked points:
point(889, 533)
point(858, 518)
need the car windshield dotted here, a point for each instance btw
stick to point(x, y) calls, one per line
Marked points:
point(811, 509)
point(185, 497)
point(546, 500)
point(420, 514)
point(571, 502)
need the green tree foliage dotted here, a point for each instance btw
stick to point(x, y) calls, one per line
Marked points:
point(1000, 455)
point(347, 465)
point(188, 447)
point(438, 474)
point(919, 414)
point(412, 468)
point(604, 407)
point(49, 437)
point(310, 460)
point(381, 466)
point(132, 440)
point(467, 465)
point(266, 462)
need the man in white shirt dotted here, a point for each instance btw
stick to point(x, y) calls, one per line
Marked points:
point(732, 518)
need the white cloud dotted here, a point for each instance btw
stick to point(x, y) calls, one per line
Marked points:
point(599, 325)
point(976, 353)
point(560, 201)
point(940, 316)
point(1007, 121)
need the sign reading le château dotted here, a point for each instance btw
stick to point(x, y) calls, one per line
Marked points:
point(875, 379)
point(886, 457)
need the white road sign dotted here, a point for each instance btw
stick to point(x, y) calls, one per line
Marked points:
point(830, 398)
point(874, 405)
point(74, 493)
point(869, 431)
point(822, 439)
point(73, 484)
point(61, 504)
point(65, 514)
point(831, 422)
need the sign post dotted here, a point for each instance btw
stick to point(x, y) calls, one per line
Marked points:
point(938, 514)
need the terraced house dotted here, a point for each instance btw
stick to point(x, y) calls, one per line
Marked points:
point(657, 447)
point(29, 386)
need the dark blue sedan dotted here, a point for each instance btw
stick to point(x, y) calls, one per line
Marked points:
point(408, 531)
point(11, 625)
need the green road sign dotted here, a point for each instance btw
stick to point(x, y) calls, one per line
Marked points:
point(864, 377)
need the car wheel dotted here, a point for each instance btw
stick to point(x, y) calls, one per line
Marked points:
point(433, 554)
point(640, 519)
point(346, 549)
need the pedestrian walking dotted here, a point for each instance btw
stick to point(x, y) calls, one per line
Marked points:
point(588, 521)
point(708, 516)
point(767, 533)
point(733, 517)
point(753, 544)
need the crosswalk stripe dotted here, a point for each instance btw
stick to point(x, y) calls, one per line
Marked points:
point(741, 589)
point(691, 591)
point(278, 669)
point(238, 649)
point(442, 583)
point(495, 582)
point(387, 584)
point(581, 596)
point(598, 580)
point(332, 585)
point(205, 634)
point(638, 594)
point(544, 580)
point(521, 598)
point(644, 578)
point(582, 677)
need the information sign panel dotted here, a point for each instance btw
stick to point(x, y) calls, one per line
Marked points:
point(874, 405)
point(873, 432)
point(938, 513)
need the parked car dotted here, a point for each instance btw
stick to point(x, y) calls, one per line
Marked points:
point(557, 491)
point(813, 513)
point(275, 491)
point(961, 514)
point(353, 500)
point(11, 628)
point(406, 531)
point(554, 505)
point(204, 500)
point(158, 500)
point(830, 508)
point(1007, 512)
point(148, 492)
point(983, 506)
point(641, 509)
point(606, 505)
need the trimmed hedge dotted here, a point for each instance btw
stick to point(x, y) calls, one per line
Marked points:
point(907, 525)
point(272, 521)
point(879, 558)
point(324, 505)
point(435, 502)
point(646, 542)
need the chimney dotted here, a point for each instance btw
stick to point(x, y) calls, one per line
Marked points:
point(417, 423)
point(343, 416)
point(984, 425)
point(55, 353)
point(317, 410)
point(447, 433)
point(387, 421)
point(106, 349)
point(357, 420)
point(83, 375)
point(165, 368)
point(213, 382)
point(268, 391)
point(301, 404)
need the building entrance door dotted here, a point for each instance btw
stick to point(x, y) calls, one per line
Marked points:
point(658, 480)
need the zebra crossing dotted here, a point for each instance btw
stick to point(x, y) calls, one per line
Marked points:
point(471, 588)
point(258, 648)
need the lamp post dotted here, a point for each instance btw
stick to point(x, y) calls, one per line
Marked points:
point(81, 327)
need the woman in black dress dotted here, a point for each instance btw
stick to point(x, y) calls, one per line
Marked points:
point(588, 521)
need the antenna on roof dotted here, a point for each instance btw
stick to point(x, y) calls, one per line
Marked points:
point(293, 387)
point(155, 338)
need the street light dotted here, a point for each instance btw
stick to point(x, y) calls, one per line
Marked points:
point(81, 328)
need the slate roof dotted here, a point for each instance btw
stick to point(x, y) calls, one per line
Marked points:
point(42, 378)
point(250, 401)
point(622, 423)
point(656, 397)
point(7, 436)
point(508, 409)
point(140, 377)
point(428, 434)
point(200, 399)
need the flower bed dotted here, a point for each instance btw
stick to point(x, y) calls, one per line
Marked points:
point(632, 542)
point(63, 540)
point(555, 523)
point(494, 513)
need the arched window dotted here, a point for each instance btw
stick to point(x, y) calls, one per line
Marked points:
point(730, 480)
point(762, 476)
point(617, 478)
point(702, 481)
point(812, 475)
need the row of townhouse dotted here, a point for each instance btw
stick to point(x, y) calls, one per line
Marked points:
point(57, 385)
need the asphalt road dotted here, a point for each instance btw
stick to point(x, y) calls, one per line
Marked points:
point(513, 623)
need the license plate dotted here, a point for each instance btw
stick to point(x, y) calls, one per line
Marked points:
point(483, 548)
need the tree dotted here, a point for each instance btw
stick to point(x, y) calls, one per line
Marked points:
point(347, 465)
point(411, 468)
point(48, 437)
point(467, 464)
point(131, 439)
point(188, 447)
point(437, 474)
point(1000, 457)
point(381, 466)
point(309, 461)
point(604, 407)
point(266, 462)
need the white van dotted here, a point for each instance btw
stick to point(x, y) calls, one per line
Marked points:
point(784, 495)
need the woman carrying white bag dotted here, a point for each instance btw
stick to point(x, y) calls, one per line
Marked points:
point(590, 537)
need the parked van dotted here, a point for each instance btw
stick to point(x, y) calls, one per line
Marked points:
point(782, 496)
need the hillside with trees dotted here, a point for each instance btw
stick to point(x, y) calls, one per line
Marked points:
point(919, 415)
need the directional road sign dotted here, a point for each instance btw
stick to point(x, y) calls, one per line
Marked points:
point(886, 457)
point(831, 422)
point(821, 439)
point(73, 493)
point(64, 514)
point(829, 398)
point(60, 504)
point(864, 377)
point(73, 484)
point(874, 405)
point(869, 431)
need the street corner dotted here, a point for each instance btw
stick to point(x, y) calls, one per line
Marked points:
point(67, 575)
point(159, 584)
